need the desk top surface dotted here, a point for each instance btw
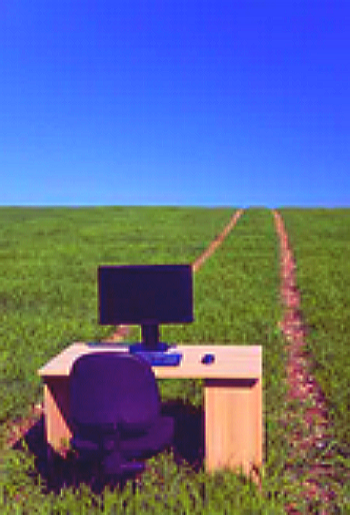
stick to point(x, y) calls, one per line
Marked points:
point(231, 361)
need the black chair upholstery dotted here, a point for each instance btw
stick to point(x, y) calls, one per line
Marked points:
point(115, 411)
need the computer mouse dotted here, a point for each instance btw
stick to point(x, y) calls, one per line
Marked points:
point(207, 359)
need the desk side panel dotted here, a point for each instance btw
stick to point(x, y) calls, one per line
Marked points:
point(233, 424)
point(56, 409)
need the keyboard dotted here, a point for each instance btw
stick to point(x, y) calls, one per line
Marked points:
point(154, 358)
point(161, 359)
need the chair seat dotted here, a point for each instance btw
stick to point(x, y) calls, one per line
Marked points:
point(157, 437)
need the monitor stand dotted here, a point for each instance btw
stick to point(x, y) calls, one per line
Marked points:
point(150, 340)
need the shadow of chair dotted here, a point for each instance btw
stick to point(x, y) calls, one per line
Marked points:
point(67, 472)
point(116, 413)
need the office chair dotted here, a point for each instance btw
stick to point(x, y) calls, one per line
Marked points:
point(115, 412)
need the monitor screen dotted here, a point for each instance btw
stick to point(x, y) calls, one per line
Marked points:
point(139, 294)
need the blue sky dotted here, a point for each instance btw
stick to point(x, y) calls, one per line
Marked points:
point(233, 103)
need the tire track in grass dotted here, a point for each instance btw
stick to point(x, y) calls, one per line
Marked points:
point(199, 262)
point(123, 330)
point(20, 428)
point(310, 435)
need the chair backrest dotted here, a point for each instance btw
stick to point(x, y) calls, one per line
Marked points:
point(110, 389)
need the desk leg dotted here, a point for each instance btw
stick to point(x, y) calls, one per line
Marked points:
point(56, 409)
point(233, 425)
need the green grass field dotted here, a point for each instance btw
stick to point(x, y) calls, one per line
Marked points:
point(49, 292)
point(49, 299)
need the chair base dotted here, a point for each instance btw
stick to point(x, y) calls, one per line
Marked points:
point(118, 459)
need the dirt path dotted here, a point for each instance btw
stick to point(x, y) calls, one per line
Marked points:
point(311, 432)
point(199, 262)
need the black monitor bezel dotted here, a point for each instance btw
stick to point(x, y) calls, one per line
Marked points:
point(182, 272)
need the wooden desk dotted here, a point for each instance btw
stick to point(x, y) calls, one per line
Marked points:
point(232, 399)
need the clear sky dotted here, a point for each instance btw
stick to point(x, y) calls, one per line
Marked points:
point(124, 102)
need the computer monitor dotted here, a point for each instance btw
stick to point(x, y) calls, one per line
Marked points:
point(147, 295)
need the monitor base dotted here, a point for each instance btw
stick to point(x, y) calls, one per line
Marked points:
point(141, 347)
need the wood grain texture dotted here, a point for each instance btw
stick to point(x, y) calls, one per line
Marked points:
point(233, 425)
point(231, 361)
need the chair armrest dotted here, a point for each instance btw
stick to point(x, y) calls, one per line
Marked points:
point(82, 445)
point(106, 444)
